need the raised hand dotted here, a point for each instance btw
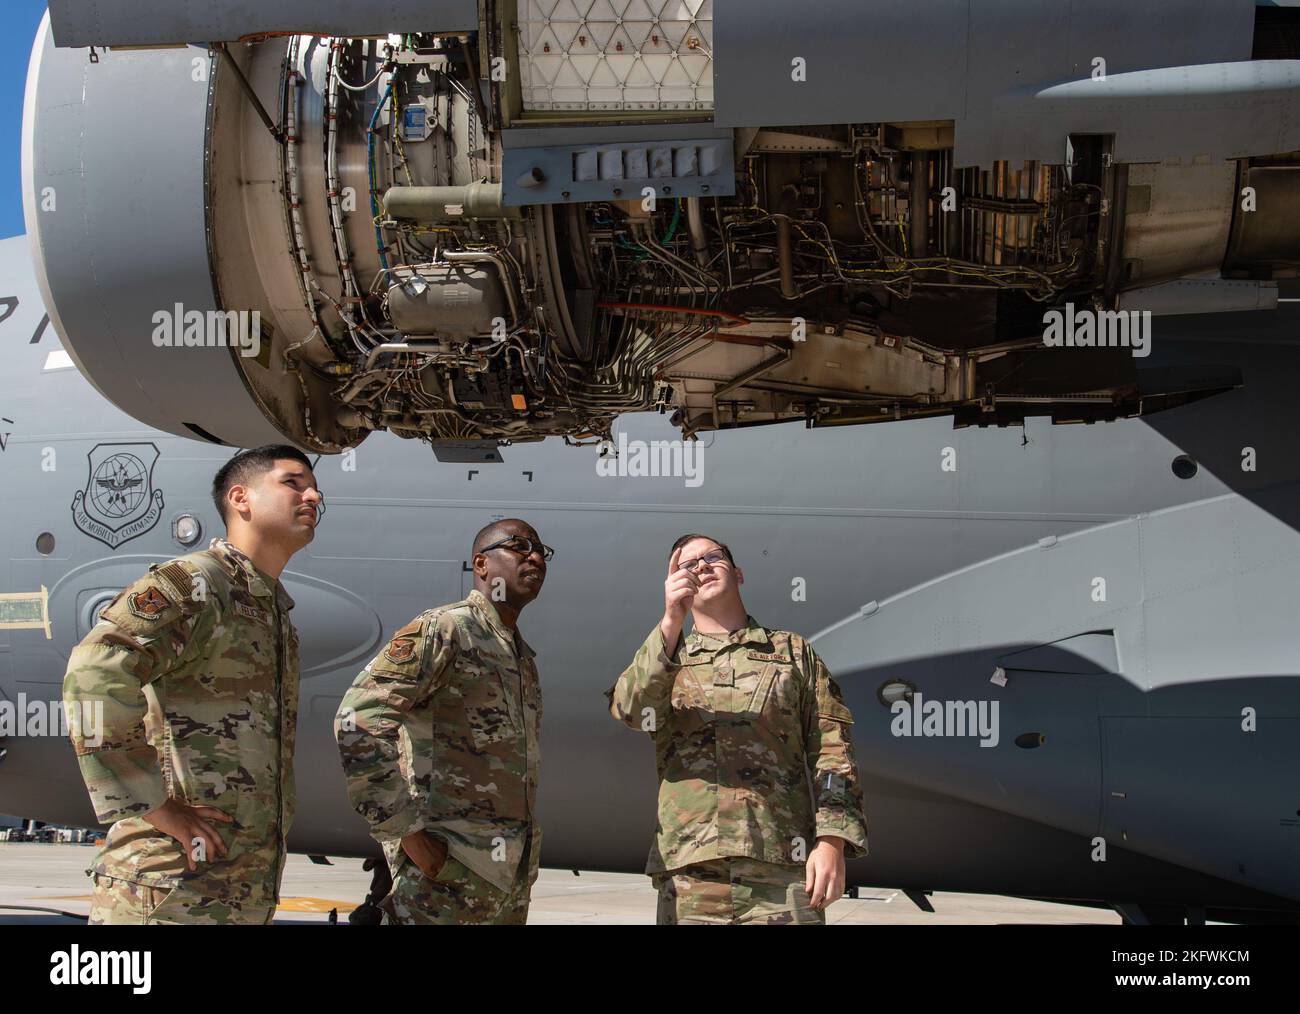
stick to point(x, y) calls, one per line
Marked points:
point(679, 595)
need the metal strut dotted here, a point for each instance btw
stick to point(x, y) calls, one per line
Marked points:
point(277, 132)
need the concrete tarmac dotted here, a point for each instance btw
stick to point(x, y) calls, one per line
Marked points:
point(52, 878)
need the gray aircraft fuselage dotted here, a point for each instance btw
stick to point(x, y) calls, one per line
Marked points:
point(1129, 729)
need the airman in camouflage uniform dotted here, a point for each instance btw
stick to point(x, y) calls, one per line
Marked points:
point(195, 668)
point(741, 716)
point(439, 738)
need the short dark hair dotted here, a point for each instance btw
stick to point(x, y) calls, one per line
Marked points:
point(495, 532)
point(696, 535)
point(246, 466)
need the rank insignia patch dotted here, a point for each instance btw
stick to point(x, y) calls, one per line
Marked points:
point(148, 604)
point(400, 649)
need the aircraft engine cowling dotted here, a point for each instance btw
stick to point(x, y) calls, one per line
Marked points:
point(313, 238)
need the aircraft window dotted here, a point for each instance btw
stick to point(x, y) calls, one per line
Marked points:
point(1184, 466)
point(45, 543)
point(895, 690)
point(186, 529)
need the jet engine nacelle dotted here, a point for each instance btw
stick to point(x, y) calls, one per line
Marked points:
point(525, 224)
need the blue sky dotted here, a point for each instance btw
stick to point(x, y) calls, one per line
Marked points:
point(19, 22)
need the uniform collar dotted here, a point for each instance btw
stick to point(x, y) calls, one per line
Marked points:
point(751, 634)
point(480, 601)
point(241, 566)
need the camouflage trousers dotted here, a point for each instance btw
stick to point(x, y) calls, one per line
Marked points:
point(457, 895)
point(735, 892)
point(125, 903)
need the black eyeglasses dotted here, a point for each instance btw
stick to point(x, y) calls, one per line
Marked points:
point(523, 546)
point(717, 556)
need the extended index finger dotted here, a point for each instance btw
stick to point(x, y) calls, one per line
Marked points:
point(677, 555)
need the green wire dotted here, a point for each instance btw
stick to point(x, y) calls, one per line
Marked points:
point(672, 225)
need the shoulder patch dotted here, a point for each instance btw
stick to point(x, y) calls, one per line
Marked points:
point(400, 649)
point(191, 588)
point(148, 604)
point(178, 577)
point(830, 702)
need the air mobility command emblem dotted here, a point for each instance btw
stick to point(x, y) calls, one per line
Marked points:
point(119, 502)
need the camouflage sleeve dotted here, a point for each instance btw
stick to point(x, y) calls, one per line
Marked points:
point(645, 684)
point(141, 636)
point(375, 740)
point(829, 747)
